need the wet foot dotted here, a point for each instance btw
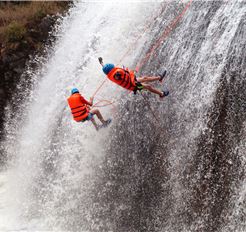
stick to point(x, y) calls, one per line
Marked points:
point(106, 123)
point(164, 93)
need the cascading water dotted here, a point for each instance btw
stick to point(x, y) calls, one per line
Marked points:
point(53, 157)
point(178, 170)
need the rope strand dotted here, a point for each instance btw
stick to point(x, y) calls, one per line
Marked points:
point(164, 35)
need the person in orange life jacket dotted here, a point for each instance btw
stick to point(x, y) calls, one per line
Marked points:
point(81, 112)
point(126, 78)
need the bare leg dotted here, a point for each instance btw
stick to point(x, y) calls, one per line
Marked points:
point(147, 79)
point(152, 89)
point(94, 123)
point(98, 114)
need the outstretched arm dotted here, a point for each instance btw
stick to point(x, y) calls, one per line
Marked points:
point(91, 101)
point(100, 59)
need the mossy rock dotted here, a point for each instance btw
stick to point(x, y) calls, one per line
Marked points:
point(39, 14)
point(15, 32)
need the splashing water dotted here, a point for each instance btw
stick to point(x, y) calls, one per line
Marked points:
point(181, 173)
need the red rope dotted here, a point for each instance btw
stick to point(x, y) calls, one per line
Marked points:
point(164, 35)
point(99, 88)
point(107, 104)
point(128, 51)
point(141, 35)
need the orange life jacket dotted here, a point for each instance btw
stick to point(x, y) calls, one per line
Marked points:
point(79, 110)
point(126, 78)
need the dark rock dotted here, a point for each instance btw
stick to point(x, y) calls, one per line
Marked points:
point(8, 59)
point(46, 25)
point(18, 70)
point(34, 34)
point(20, 55)
point(1, 93)
point(13, 58)
point(20, 63)
point(8, 76)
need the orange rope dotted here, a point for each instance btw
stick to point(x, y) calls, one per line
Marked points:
point(129, 50)
point(107, 104)
point(141, 35)
point(164, 35)
point(99, 88)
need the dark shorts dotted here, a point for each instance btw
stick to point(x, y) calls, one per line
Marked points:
point(88, 118)
point(139, 86)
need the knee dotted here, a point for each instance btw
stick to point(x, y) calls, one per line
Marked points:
point(146, 86)
point(95, 111)
point(145, 78)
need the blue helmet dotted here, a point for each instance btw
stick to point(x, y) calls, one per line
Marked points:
point(74, 90)
point(107, 68)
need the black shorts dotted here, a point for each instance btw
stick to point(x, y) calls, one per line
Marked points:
point(139, 86)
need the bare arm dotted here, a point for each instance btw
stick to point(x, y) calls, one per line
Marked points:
point(90, 103)
point(100, 59)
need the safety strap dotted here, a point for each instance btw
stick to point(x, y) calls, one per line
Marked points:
point(84, 112)
point(76, 107)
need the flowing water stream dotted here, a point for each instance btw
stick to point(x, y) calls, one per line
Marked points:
point(176, 164)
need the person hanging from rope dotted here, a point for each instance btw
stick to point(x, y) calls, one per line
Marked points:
point(126, 78)
point(80, 109)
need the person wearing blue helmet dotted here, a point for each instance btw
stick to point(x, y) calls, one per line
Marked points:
point(126, 78)
point(80, 109)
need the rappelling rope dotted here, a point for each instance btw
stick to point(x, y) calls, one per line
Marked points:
point(97, 90)
point(164, 35)
point(107, 103)
point(130, 49)
point(141, 35)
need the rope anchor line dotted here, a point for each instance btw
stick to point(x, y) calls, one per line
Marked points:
point(169, 28)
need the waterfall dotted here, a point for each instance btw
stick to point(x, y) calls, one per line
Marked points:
point(181, 169)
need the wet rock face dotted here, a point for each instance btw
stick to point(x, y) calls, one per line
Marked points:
point(13, 58)
point(165, 176)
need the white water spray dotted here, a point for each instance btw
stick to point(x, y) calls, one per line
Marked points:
point(53, 157)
